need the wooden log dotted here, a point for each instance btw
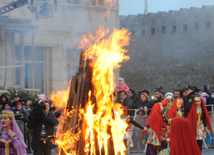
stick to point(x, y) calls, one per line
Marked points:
point(81, 62)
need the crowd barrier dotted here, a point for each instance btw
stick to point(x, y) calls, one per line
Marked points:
point(137, 133)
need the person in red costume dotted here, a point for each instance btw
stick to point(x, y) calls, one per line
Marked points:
point(177, 109)
point(182, 138)
point(156, 127)
point(200, 120)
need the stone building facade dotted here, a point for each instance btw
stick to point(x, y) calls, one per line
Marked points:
point(53, 36)
point(171, 49)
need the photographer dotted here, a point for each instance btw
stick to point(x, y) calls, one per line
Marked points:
point(42, 120)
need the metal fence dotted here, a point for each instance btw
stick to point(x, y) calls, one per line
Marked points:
point(137, 133)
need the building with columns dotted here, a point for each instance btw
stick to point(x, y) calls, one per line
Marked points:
point(38, 43)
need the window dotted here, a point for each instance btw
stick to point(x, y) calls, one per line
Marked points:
point(152, 31)
point(37, 69)
point(185, 27)
point(173, 28)
point(143, 32)
point(163, 30)
point(208, 25)
point(196, 26)
point(72, 1)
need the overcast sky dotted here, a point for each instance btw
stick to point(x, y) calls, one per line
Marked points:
point(134, 7)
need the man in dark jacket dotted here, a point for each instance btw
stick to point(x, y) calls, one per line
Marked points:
point(210, 101)
point(188, 100)
point(126, 101)
point(3, 100)
point(42, 121)
point(158, 97)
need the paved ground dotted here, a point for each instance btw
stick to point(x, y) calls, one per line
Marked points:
point(204, 152)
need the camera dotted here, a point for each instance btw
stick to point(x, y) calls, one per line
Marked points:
point(39, 109)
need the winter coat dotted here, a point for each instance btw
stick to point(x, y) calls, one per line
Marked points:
point(188, 101)
point(35, 123)
point(147, 104)
point(122, 87)
point(129, 104)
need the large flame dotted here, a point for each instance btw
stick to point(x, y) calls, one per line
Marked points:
point(107, 54)
point(103, 122)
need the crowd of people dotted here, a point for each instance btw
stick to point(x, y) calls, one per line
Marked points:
point(38, 120)
point(178, 121)
point(173, 117)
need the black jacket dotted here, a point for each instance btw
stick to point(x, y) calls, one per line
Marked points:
point(156, 101)
point(147, 104)
point(210, 101)
point(135, 99)
point(188, 101)
point(129, 104)
point(35, 123)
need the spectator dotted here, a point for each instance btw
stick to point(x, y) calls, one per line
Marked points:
point(157, 97)
point(3, 100)
point(19, 110)
point(176, 94)
point(121, 86)
point(169, 98)
point(188, 100)
point(144, 104)
point(163, 95)
point(17, 98)
point(206, 89)
point(146, 91)
point(8, 106)
point(160, 88)
point(126, 101)
point(133, 96)
point(12, 100)
point(28, 105)
point(204, 96)
point(42, 120)
point(210, 101)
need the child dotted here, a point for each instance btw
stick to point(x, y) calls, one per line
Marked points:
point(177, 109)
point(121, 86)
point(154, 125)
point(8, 106)
point(200, 120)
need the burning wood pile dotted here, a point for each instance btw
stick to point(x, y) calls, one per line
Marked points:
point(89, 124)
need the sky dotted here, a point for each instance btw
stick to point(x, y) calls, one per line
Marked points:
point(134, 7)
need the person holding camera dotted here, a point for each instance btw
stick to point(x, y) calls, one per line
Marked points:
point(42, 121)
point(20, 114)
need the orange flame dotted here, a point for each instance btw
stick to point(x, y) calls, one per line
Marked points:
point(107, 54)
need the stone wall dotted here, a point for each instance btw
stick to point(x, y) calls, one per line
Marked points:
point(170, 49)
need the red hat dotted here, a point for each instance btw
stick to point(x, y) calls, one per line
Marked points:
point(18, 103)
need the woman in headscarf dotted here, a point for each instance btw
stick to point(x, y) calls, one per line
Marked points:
point(11, 138)
point(177, 109)
point(156, 127)
point(123, 114)
point(182, 139)
point(200, 120)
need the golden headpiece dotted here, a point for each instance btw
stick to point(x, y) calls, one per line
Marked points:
point(5, 113)
point(197, 99)
point(180, 100)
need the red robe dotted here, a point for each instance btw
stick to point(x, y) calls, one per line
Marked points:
point(192, 116)
point(173, 110)
point(182, 140)
point(157, 106)
point(156, 122)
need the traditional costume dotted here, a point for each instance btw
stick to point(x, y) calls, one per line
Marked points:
point(128, 137)
point(174, 111)
point(11, 145)
point(182, 138)
point(200, 120)
point(156, 124)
